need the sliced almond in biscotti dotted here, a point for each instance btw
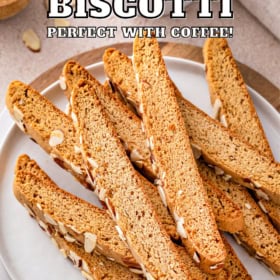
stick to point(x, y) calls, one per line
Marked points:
point(127, 125)
point(47, 126)
point(230, 96)
point(232, 100)
point(258, 236)
point(78, 221)
point(93, 266)
point(173, 159)
point(124, 192)
point(43, 119)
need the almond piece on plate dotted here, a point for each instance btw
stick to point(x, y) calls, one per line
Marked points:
point(31, 40)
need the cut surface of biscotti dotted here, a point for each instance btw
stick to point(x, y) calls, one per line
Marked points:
point(207, 136)
point(41, 120)
point(232, 102)
point(47, 126)
point(123, 189)
point(173, 159)
point(78, 221)
point(127, 124)
point(93, 266)
point(259, 237)
point(234, 265)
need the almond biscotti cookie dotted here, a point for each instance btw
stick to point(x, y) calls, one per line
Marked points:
point(75, 219)
point(126, 123)
point(259, 237)
point(172, 157)
point(232, 102)
point(122, 189)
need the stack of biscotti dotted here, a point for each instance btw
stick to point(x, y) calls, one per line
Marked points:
point(194, 118)
point(227, 214)
point(41, 124)
point(41, 198)
point(233, 105)
point(81, 231)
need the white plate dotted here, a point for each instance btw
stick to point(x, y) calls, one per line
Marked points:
point(26, 251)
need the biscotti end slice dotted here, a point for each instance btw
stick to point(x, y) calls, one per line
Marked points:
point(258, 236)
point(126, 123)
point(232, 103)
point(123, 189)
point(173, 158)
point(78, 221)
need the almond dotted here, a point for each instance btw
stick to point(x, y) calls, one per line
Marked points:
point(31, 40)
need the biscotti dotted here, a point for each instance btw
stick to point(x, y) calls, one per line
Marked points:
point(173, 159)
point(230, 98)
point(76, 220)
point(259, 237)
point(238, 160)
point(124, 121)
point(47, 126)
point(122, 188)
point(54, 132)
point(233, 104)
